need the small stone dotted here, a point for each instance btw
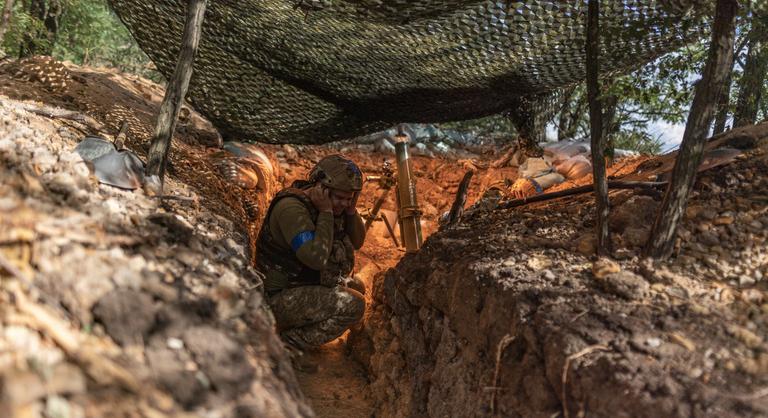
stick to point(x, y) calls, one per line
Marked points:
point(189, 258)
point(699, 309)
point(43, 159)
point(61, 183)
point(66, 379)
point(127, 315)
point(603, 267)
point(626, 284)
point(725, 295)
point(723, 220)
point(693, 211)
point(635, 237)
point(203, 379)
point(57, 407)
point(623, 254)
point(709, 238)
point(20, 387)
point(586, 245)
point(708, 214)
point(695, 373)
point(745, 281)
point(686, 260)
point(234, 247)
point(547, 274)
point(746, 336)
point(221, 358)
point(653, 342)
point(677, 292)
point(752, 296)
point(539, 262)
point(175, 343)
point(127, 278)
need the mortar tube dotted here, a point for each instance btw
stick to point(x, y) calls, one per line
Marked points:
point(408, 207)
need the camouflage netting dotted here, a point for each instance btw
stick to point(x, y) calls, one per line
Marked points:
point(313, 71)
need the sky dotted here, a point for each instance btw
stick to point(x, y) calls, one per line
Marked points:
point(671, 134)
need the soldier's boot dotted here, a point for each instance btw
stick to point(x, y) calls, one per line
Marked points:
point(356, 283)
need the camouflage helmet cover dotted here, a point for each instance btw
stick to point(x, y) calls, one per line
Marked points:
point(337, 172)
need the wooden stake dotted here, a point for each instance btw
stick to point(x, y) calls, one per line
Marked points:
point(457, 209)
point(663, 233)
point(596, 128)
point(174, 96)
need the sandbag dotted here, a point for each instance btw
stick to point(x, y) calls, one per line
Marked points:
point(574, 168)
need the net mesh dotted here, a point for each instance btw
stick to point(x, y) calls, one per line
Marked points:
point(314, 71)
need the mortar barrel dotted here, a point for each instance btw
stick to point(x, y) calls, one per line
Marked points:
point(408, 207)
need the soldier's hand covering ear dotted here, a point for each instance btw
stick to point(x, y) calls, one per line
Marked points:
point(321, 198)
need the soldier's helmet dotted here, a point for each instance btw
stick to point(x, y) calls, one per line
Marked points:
point(338, 173)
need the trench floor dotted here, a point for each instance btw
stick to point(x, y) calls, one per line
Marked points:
point(338, 388)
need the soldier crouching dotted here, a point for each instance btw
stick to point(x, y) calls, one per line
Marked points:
point(306, 251)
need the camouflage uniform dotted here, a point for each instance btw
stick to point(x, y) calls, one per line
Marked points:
point(310, 316)
point(307, 257)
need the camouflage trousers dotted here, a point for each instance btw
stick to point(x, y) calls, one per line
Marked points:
point(310, 316)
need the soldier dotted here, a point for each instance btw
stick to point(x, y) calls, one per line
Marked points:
point(306, 251)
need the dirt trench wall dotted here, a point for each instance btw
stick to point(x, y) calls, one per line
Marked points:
point(484, 319)
point(152, 309)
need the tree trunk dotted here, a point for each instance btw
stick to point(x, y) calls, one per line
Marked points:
point(752, 82)
point(722, 105)
point(53, 12)
point(174, 96)
point(610, 104)
point(6, 19)
point(724, 102)
point(596, 127)
point(663, 233)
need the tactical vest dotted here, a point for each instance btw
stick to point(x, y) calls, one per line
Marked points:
point(270, 256)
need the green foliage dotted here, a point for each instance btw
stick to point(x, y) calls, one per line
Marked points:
point(22, 24)
point(661, 91)
point(495, 126)
point(89, 34)
point(640, 141)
